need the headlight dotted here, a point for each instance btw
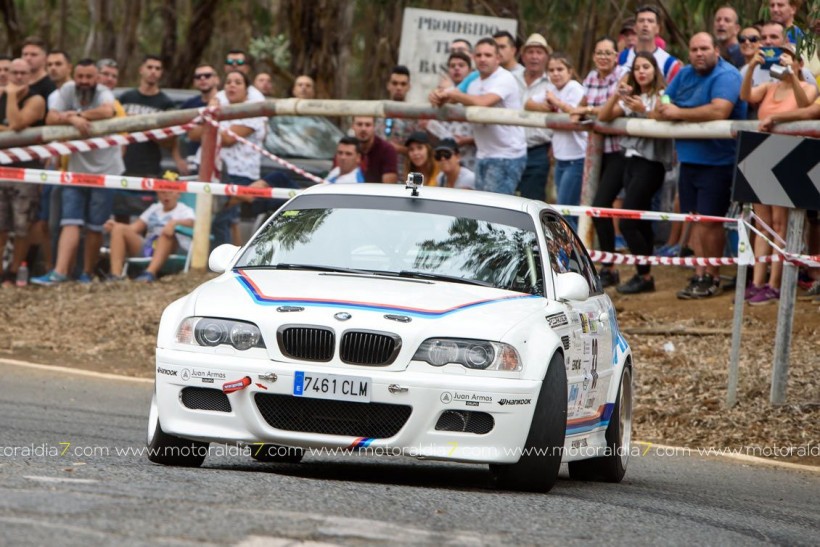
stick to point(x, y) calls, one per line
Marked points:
point(475, 354)
point(210, 331)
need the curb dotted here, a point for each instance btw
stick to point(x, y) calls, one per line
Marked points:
point(754, 460)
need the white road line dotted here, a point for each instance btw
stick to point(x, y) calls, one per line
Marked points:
point(79, 372)
point(37, 523)
point(738, 457)
point(39, 478)
point(267, 541)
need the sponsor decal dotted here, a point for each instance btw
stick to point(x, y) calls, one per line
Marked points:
point(471, 403)
point(237, 385)
point(448, 397)
point(511, 402)
point(584, 323)
point(590, 402)
point(576, 364)
point(594, 363)
point(231, 189)
point(565, 341)
point(207, 380)
point(580, 443)
point(342, 316)
point(573, 393)
point(82, 178)
point(166, 371)
point(592, 321)
point(557, 320)
point(147, 184)
point(202, 374)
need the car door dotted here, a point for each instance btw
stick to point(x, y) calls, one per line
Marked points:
point(588, 356)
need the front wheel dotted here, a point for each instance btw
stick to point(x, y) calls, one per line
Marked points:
point(167, 449)
point(537, 469)
point(611, 467)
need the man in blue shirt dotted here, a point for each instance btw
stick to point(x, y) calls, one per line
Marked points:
point(705, 90)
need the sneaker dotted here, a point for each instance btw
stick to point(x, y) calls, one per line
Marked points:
point(687, 293)
point(766, 295)
point(751, 292)
point(84, 278)
point(637, 284)
point(109, 278)
point(669, 250)
point(609, 277)
point(49, 279)
point(707, 286)
point(620, 243)
point(146, 277)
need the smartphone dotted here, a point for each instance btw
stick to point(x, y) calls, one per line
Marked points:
point(771, 56)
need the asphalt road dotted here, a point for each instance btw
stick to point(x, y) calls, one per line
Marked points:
point(86, 492)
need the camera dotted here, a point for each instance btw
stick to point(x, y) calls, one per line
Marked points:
point(779, 71)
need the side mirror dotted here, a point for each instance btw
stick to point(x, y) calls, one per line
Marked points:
point(221, 257)
point(571, 286)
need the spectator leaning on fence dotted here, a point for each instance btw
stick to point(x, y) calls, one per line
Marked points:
point(646, 162)
point(502, 149)
point(787, 94)
point(600, 84)
point(152, 234)
point(58, 66)
point(5, 66)
point(534, 82)
point(20, 108)
point(34, 53)
point(705, 90)
point(78, 103)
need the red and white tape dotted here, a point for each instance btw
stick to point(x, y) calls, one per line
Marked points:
point(121, 182)
point(45, 151)
point(603, 212)
point(618, 258)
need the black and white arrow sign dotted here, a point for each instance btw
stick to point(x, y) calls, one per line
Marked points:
point(777, 170)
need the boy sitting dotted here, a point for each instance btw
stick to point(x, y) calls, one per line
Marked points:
point(160, 241)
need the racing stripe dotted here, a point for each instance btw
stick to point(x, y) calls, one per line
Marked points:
point(263, 299)
point(588, 423)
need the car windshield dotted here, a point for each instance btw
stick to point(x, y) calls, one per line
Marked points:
point(413, 244)
point(302, 137)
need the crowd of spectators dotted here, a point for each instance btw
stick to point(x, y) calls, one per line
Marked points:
point(728, 76)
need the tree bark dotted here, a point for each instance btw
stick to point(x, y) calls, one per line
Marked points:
point(200, 29)
point(128, 37)
point(12, 21)
point(168, 51)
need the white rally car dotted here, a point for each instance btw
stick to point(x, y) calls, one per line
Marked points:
point(436, 323)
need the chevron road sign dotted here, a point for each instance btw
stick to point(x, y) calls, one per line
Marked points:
point(777, 170)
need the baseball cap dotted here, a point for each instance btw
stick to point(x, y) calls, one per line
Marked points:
point(448, 145)
point(628, 25)
point(536, 40)
point(417, 136)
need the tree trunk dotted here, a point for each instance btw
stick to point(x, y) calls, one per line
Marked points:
point(200, 29)
point(128, 37)
point(381, 47)
point(106, 35)
point(168, 50)
point(12, 21)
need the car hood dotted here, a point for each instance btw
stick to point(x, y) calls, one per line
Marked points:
point(414, 309)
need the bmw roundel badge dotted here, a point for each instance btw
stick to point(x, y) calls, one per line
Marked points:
point(342, 316)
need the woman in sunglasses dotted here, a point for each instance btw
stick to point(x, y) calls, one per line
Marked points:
point(452, 174)
point(749, 39)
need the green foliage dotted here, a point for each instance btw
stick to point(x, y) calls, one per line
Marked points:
point(273, 49)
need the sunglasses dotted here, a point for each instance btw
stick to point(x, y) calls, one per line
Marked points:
point(203, 76)
point(751, 39)
point(443, 155)
point(238, 62)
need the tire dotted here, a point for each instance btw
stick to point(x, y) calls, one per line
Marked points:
point(273, 453)
point(167, 449)
point(537, 470)
point(612, 466)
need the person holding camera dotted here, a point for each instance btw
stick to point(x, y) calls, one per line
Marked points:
point(787, 92)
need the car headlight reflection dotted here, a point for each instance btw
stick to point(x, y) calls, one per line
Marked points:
point(211, 331)
point(474, 354)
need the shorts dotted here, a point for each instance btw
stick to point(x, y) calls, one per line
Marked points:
point(89, 207)
point(45, 202)
point(705, 189)
point(19, 203)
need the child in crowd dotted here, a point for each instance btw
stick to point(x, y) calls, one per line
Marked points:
point(160, 239)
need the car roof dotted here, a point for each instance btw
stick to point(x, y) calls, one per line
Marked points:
point(473, 197)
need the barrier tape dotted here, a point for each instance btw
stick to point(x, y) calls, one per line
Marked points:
point(767, 228)
point(45, 151)
point(643, 260)
point(310, 176)
point(603, 212)
point(807, 260)
point(121, 182)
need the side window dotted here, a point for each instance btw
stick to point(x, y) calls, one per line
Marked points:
point(566, 253)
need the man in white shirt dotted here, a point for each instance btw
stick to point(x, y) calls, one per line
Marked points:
point(535, 83)
point(502, 149)
point(348, 157)
point(648, 26)
point(508, 52)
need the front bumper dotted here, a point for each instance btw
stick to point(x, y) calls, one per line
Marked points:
point(509, 401)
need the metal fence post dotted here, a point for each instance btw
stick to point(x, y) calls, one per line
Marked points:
point(785, 313)
point(204, 202)
point(740, 290)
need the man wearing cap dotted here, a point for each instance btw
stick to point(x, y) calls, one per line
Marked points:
point(535, 54)
point(347, 158)
point(627, 37)
point(502, 149)
point(451, 173)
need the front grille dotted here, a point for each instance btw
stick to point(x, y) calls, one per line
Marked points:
point(306, 342)
point(203, 398)
point(465, 421)
point(369, 348)
point(374, 420)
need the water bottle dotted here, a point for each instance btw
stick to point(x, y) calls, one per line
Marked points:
point(22, 275)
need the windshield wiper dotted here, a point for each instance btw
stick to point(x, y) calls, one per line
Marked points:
point(442, 277)
point(318, 268)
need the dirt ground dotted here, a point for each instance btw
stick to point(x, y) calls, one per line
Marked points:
point(680, 378)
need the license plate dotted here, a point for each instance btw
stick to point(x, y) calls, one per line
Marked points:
point(331, 386)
